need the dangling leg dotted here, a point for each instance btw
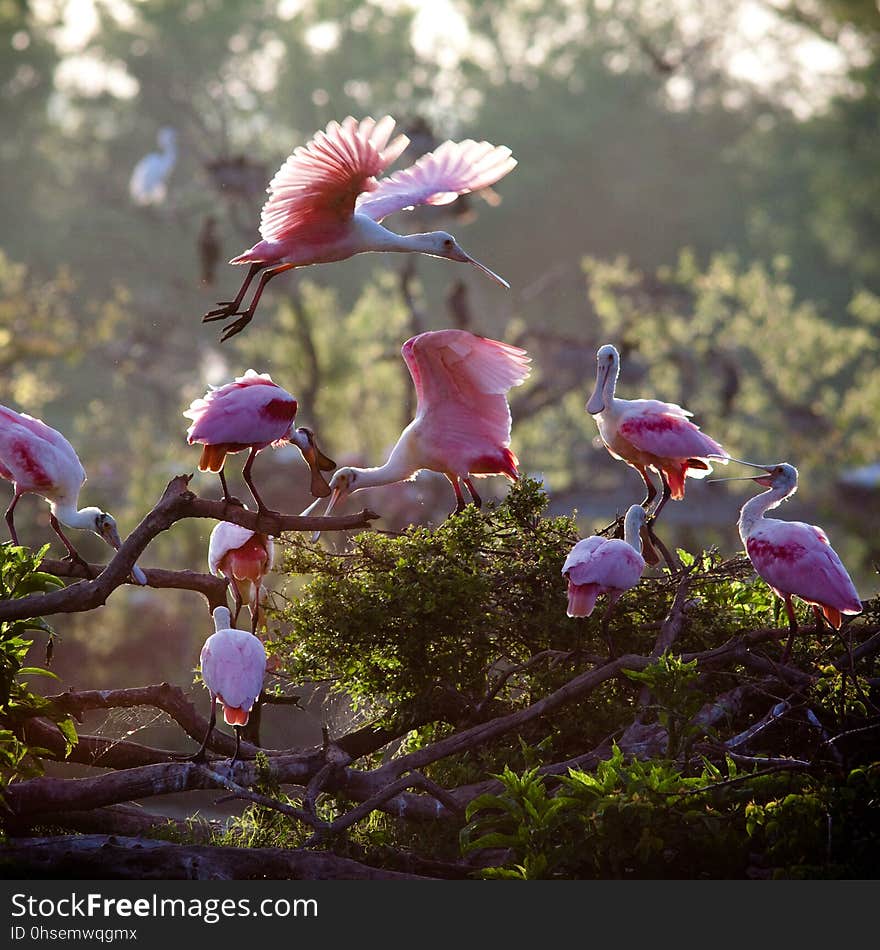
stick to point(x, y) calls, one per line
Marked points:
point(234, 758)
point(470, 487)
point(792, 626)
point(236, 599)
point(228, 307)
point(652, 489)
point(200, 755)
point(246, 475)
point(459, 497)
point(71, 550)
point(603, 625)
point(667, 494)
point(9, 518)
point(248, 315)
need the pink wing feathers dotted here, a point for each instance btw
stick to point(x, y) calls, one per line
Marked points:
point(662, 429)
point(457, 368)
point(233, 664)
point(228, 536)
point(34, 455)
point(316, 188)
point(610, 563)
point(796, 558)
point(252, 410)
point(452, 169)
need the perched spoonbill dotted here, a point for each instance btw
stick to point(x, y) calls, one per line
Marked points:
point(148, 184)
point(462, 423)
point(38, 459)
point(251, 413)
point(244, 557)
point(325, 203)
point(233, 665)
point(794, 558)
point(611, 566)
point(648, 434)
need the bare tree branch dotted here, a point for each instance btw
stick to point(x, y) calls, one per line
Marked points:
point(176, 503)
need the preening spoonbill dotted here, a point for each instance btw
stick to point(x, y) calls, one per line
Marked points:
point(796, 559)
point(462, 423)
point(648, 434)
point(610, 566)
point(233, 665)
point(38, 459)
point(148, 184)
point(244, 557)
point(325, 203)
point(251, 413)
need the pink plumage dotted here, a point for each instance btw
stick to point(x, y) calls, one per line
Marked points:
point(462, 423)
point(244, 557)
point(233, 664)
point(325, 203)
point(597, 566)
point(794, 558)
point(650, 434)
point(38, 459)
point(251, 412)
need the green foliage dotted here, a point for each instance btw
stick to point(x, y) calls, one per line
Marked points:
point(673, 685)
point(628, 818)
point(426, 619)
point(19, 577)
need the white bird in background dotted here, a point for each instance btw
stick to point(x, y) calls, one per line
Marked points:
point(148, 184)
point(233, 664)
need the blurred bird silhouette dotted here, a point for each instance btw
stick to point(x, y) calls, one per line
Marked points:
point(209, 249)
point(148, 184)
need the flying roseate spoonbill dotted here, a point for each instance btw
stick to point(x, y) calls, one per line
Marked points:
point(648, 434)
point(794, 558)
point(244, 557)
point(251, 413)
point(38, 459)
point(611, 566)
point(462, 423)
point(233, 665)
point(148, 184)
point(325, 203)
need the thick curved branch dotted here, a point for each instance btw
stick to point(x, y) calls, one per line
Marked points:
point(103, 856)
point(211, 587)
point(176, 503)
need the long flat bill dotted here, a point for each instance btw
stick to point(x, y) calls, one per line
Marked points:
point(488, 272)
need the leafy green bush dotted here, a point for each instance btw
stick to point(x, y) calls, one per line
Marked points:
point(19, 577)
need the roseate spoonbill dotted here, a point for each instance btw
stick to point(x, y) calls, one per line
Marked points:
point(251, 413)
point(611, 566)
point(148, 184)
point(325, 203)
point(462, 423)
point(648, 434)
point(38, 459)
point(794, 558)
point(233, 665)
point(244, 557)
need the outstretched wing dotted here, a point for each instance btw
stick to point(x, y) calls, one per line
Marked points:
point(456, 368)
point(316, 188)
point(452, 169)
